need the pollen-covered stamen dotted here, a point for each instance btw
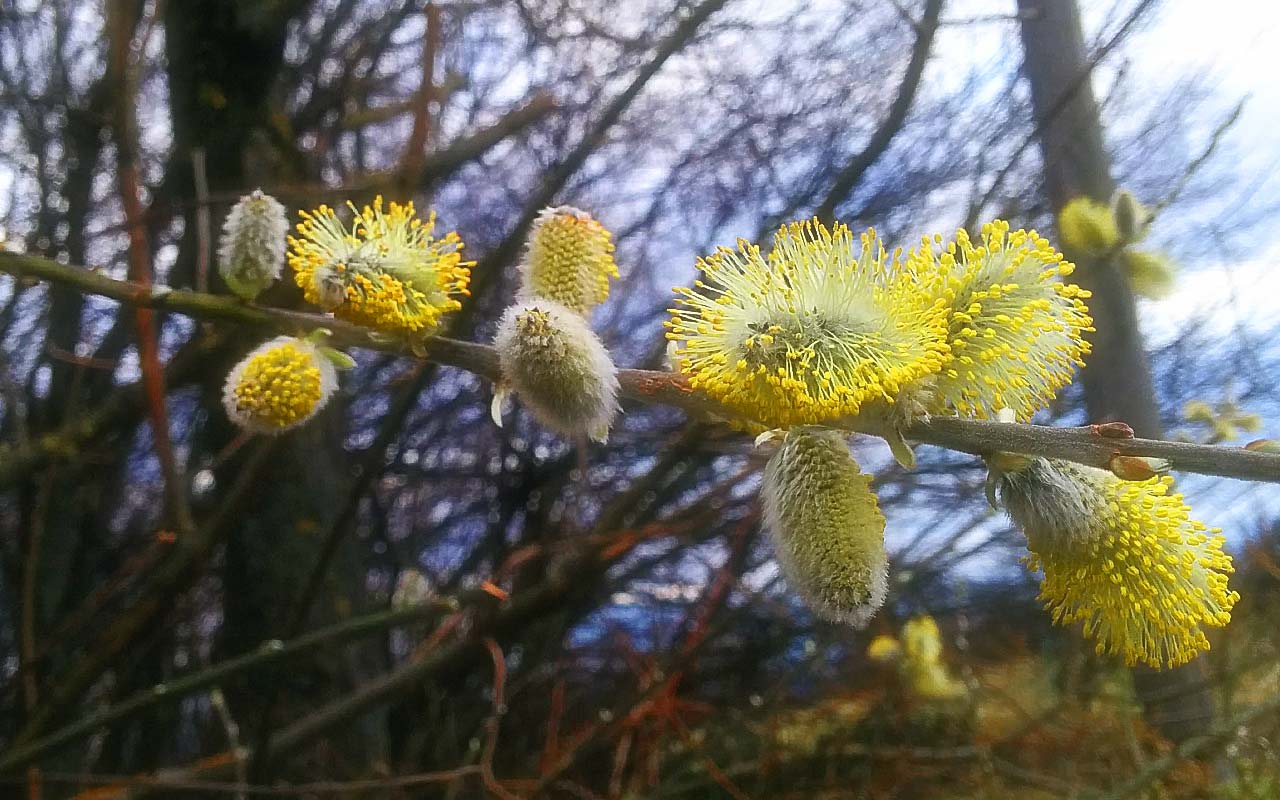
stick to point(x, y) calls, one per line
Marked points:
point(280, 385)
point(387, 271)
point(820, 327)
point(1015, 331)
point(568, 259)
point(1124, 558)
point(827, 530)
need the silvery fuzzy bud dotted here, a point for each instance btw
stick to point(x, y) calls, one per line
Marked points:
point(1132, 217)
point(412, 589)
point(251, 251)
point(827, 530)
point(558, 368)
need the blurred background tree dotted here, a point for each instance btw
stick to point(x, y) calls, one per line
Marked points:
point(646, 647)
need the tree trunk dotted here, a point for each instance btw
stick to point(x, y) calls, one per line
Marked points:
point(1117, 378)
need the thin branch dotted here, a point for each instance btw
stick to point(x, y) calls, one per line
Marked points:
point(121, 25)
point(171, 576)
point(204, 223)
point(556, 177)
point(978, 437)
point(851, 174)
point(1215, 140)
point(493, 724)
point(416, 149)
point(343, 788)
point(268, 653)
point(1219, 736)
point(118, 411)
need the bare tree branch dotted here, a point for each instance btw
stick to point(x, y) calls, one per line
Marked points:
point(851, 173)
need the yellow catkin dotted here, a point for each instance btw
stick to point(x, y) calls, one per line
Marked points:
point(822, 326)
point(923, 670)
point(1123, 558)
point(387, 271)
point(826, 527)
point(1088, 227)
point(568, 259)
point(1015, 330)
point(280, 385)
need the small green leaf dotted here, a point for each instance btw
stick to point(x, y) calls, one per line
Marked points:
point(338, 358)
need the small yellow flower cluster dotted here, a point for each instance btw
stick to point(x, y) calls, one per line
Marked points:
point(1090, 228)
point(919, 658)
point(823, 325)
point(1122, 557)
point(569, 259)
point(387, 271)
point(923, 670)
point(1223, 422)
point(280, 385)
point(1015, 332)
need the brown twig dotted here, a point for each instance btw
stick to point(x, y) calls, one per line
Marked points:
point(493, 724)
point(204, 225)
point(130, 184)
point(415, 150)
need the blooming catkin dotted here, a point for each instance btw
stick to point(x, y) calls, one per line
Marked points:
point(1087, 226)
point(1122, 557)
point(1150, 274)
point(823, 325)
point(280, 385)
point(924, 672)
point(388, 271)
point(558, 368)
point(827, 530)
point(1015, 332)
point(251, 250)
point(568, 259)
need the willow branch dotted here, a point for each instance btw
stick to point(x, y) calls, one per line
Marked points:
point(977, 437)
